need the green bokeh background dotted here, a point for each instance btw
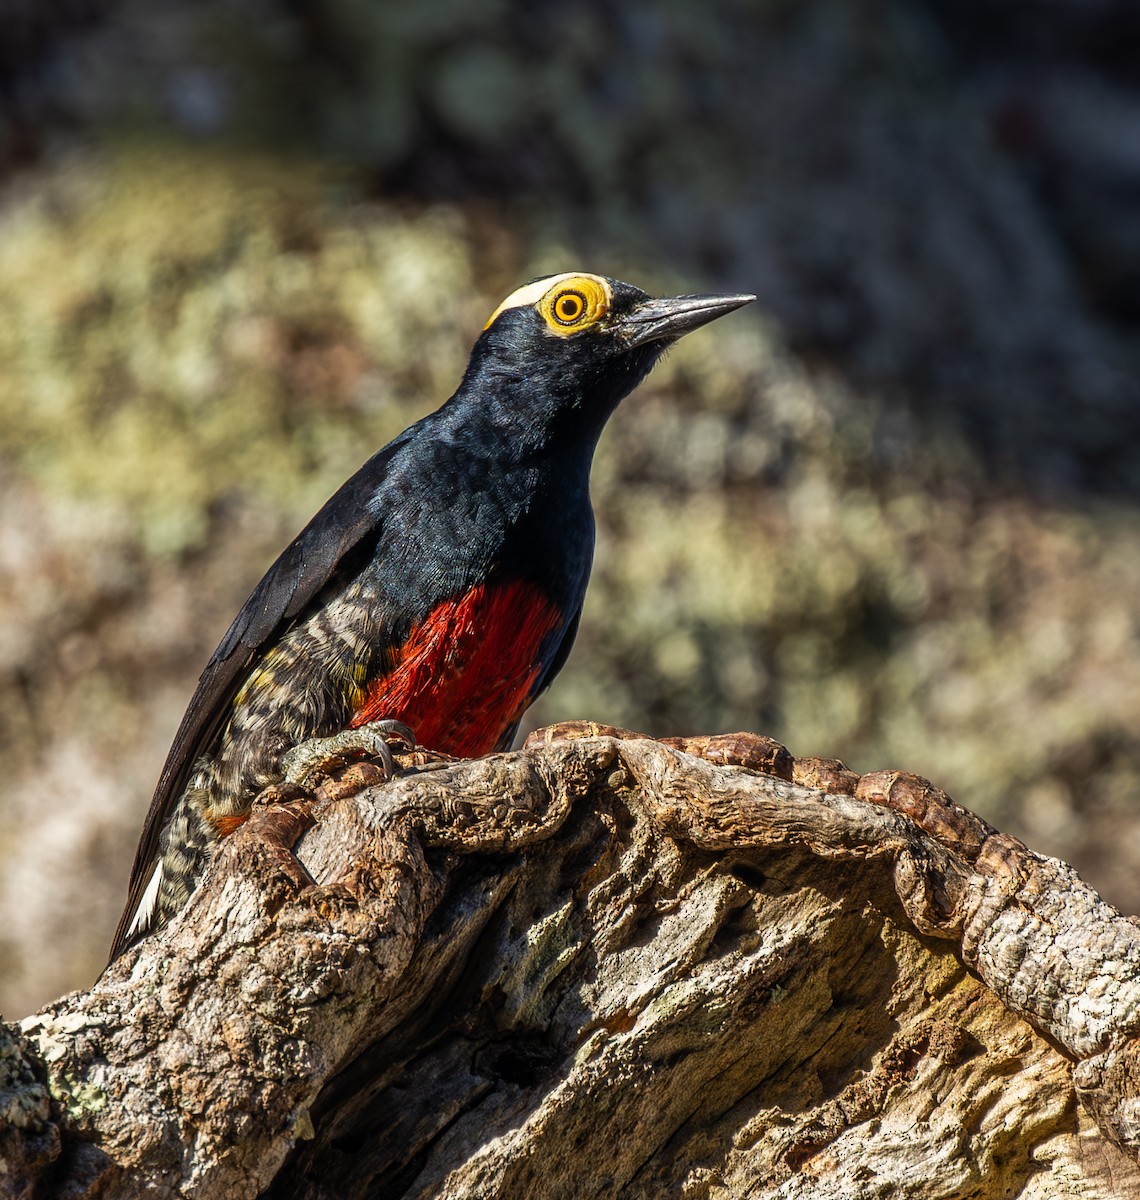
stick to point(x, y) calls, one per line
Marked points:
point(889, 515)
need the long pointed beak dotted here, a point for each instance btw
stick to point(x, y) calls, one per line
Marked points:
point(672, 316)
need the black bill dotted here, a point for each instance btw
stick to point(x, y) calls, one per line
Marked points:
point(672, 316)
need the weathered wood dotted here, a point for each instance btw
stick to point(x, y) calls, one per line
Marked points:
point(602, 966)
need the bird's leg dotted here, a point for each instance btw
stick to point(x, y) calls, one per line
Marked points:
point(284, 810)
point(314, 758)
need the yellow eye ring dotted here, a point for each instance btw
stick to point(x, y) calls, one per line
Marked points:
point(575, 303)
point(568, 307)
point(568, 303)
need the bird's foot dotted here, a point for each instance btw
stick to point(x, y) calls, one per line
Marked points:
point(314, 761)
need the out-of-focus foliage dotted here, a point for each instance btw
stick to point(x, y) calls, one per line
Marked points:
point(863, 528)
point(164, 312)
point(925, 194)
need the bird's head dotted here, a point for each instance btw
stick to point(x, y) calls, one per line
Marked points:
point(583, 342)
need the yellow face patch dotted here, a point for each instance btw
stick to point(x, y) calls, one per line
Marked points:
point(568, 303)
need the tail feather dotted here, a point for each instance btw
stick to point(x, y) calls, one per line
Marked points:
point(184, 848)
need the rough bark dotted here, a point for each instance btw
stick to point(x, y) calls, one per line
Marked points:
point(602, 966)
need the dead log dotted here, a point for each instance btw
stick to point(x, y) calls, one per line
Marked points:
point(602, 966)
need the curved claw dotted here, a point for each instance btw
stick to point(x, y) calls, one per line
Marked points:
point(317, 756)
point(390, 731)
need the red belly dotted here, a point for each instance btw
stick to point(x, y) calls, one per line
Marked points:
point(468, 672)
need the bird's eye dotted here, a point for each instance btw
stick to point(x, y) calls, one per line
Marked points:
point(569, 303)
point(569, 307)
point(576, 303)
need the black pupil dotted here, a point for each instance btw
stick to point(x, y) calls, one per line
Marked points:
point(570, 307)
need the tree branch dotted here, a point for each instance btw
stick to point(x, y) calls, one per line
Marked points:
point(601, 966)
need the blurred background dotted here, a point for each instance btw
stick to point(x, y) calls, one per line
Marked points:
point(890, 514)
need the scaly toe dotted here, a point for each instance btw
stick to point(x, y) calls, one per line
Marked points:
point(312, 760)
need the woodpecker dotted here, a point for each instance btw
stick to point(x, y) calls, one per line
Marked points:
point(439, 589)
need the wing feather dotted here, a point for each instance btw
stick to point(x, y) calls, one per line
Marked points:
point(311, 561)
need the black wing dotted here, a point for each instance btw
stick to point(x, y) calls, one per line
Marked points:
point(306, 565)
